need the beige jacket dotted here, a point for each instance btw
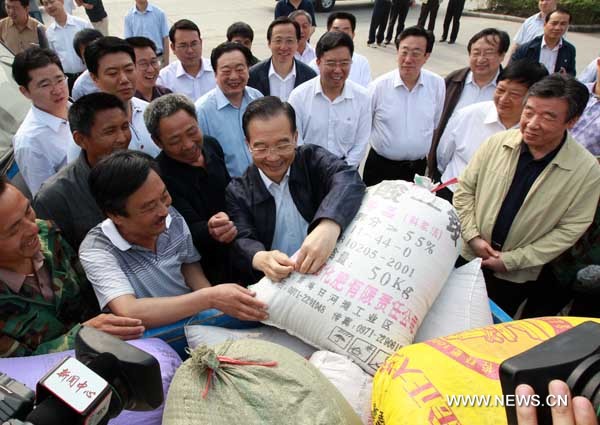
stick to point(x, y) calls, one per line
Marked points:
point(557, 210)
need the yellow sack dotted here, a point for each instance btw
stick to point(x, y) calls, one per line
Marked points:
point(419, 384)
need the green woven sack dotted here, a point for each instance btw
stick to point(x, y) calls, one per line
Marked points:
point(253, 382)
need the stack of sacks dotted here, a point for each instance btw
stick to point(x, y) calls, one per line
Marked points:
point(29, 370)
point(253, 382)
point(419, 383)
point(382, 278)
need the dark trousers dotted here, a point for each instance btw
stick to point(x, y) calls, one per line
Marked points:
point(453, 14)
point(398, 11)
point(544, 296)
point(378, 168)
point(379, 18)
point(431, 9)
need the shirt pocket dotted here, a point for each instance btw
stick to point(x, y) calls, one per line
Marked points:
point(344, 133)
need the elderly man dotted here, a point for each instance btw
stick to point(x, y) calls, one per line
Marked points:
point(100, 126)
point(220, 110)
point(281, 73)
point(141, 260)
point(407, 105)
point(191, 74)
point(305, 52)
point(111, 62)
point(194, 171)
point(44, 295)
point(291, 200)
point(331, 110)
point(147, 65)
point(551, 49)
point(528, 195)
point(474, 124)
point(360, 71)
point(472, 84)
point(19, 31)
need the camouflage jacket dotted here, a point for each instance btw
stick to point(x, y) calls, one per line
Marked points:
point(29, 324)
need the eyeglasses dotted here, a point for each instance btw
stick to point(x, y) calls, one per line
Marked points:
point(487, 54)
point(143, 65)
point(335, 64)
point(263, 152)
point(50, 84)
point(185, 46)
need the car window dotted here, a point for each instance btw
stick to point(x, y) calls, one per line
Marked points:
point(13, 105)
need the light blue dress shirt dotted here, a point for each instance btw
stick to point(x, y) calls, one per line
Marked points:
point(218, 118)
point(152, 24)
point(290, 226)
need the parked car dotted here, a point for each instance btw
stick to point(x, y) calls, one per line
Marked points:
point(13, 109)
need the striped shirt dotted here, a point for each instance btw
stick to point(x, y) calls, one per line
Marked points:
point(116, 268)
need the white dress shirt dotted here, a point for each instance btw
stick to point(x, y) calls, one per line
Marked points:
point(342, 127)
point(140, 137)
point(307, 56)
point(531, 28)
point(549, 56)
point(588, 75)
point(84, 85)
point(281, 87)
point(360, 72)
point(290, 226)
point(175, 78)
point(41, 145)
point(472, 93)
point(403, 119)
point(465, 132)
point(60, 39)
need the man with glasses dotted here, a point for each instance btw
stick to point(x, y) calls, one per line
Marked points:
point(291, 200)
point(220, 110)
point(407, 104)
point(43, 143)
point(279, 74)
point(147, 64)
point(472, 84)
point(191, 74)
point(331, 110)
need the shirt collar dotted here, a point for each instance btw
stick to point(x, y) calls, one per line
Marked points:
point(558, 46)
point(399, 82)
point(290, 75)
point(492, 116)
point(149, 8)
point(15, 280)
point(268, 182)
point(222, 100)
point(205, 67)
point(112, 233)
point(347, 92)
point(49, 120)
point(31, 24)
point(492, 83)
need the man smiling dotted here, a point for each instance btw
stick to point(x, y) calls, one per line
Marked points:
point(147, 65)
point(111, 62)
point(220, 110)
point(291, 200)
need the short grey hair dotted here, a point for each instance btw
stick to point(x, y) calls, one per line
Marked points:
point(164, 107)
point(301, 12)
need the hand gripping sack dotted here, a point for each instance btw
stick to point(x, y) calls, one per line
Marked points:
point(420, 383)
point(253, 382)
point(381, 279)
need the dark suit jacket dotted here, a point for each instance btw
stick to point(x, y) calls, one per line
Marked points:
point(259, 75)
point(198, 193)
point(455, 83)
point(321, 185)
point(531, 50)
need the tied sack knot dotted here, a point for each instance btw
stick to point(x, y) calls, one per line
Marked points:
point(205, 358)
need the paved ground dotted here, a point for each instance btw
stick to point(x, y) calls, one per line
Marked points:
point(213, 17)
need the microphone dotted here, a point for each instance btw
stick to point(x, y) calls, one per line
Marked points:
point(73, 393)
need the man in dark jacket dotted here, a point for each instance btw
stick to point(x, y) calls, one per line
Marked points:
point(193, 169)
point(291, 200)
point(472, 84)
point(281, 73)
point(551, 49)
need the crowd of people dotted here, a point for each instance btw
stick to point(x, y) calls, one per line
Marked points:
point(168, 186)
